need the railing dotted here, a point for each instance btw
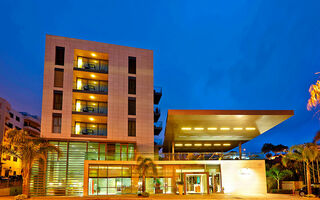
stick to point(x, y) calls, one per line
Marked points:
point(94, 66)
point(211, 156)
point(130, 156)
point(36, 128)
point(91, 88)
point(91, 109)
point(89, 131)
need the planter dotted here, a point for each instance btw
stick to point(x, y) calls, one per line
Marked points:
point(180, 189)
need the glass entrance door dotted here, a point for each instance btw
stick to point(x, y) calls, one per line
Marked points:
point(196, 183)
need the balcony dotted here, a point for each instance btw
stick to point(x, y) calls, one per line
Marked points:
point(90, 86)
point(156, 114)
point(157, 93)
point(83, 129)
point(91, 65)
point(157, 128)
point(90, 108)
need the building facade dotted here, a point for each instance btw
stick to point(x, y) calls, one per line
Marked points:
point(12, 119)
point(98, 108)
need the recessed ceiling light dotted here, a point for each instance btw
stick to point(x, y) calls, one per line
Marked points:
point(212, 129)
point(237, 129)
point(198, 145)
point(224, 129)
point(198, 129)
point(93, 76)
point(91, 119)
point(92, 97)
point(250, 128)
point(187, 145)
point(94, 55)
point(186, 129)
point(178, 145)
point(207, 145)
point(226, 144)
point(216, 145)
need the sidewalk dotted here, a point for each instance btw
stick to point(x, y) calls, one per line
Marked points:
point(158, 197)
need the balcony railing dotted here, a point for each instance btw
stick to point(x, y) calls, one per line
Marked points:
point(94, 66)
point(91, 88)
point(211, 156)
point(156, 114)
point(157, 128)
point(89, 131)
point(157, 93)
point(127, 156)
point(90, 109)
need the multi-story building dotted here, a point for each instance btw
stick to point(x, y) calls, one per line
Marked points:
point(12, 119)
point(98, 107)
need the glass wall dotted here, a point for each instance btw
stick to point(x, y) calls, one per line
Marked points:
point(91, 85)
point(82, 128)
point(90, 107)
point(64, 175)
point(90, 64)
point(124, 179)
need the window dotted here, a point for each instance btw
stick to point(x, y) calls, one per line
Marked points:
point(58, 77)
point(132, 127)
point(18, 128)
point(57, 100)
point(9, 125)
point(132, 85)
point(11, 114)
point(131, 106)
point(18, 119)
point(15, 159)
point(132, 65)
point(56, 123)
point(59, 55)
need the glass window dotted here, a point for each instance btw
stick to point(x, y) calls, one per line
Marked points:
point(114, 170)
point(56, 122)
point(132, 85)
point(132, 65)
point(131, 106)
point(124, 152)
point(59, 55)
point(58, 77)
point(132, 127)
point(111, 152)
point(57, 100)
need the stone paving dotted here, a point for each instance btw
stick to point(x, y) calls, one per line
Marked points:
point(159, 197)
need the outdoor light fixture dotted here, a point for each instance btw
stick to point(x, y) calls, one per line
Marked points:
point(178, 145)
point(93, 76)
point(187, 145)
point(186, 129)
point(198, 129)
point(212, 129)
point(250, 128)
point(92, 97)
point(217, 145)
point(226, 144)
point(207, 145)
point(237, 129)
point(91, 119)
point(198, 145)
point(94, 55)
point(224, 129)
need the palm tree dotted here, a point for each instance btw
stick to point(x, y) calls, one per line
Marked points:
point(144, 165)
point(29, 149)
point(306, 153)
point(276, 173)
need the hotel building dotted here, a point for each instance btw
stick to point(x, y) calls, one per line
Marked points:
point(12, 119)
point(99, 108)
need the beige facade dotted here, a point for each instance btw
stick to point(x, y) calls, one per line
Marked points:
point(116, 97)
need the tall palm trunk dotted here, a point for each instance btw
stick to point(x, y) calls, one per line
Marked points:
point(278, 181)
point(308, 178)
point(313, 173)
point(318, 172)
point(26, 181)
point(143, 183)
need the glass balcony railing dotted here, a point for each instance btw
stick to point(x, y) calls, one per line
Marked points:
point(91, 86)
point(94, 109)
point(92, 65)
point(93, 130)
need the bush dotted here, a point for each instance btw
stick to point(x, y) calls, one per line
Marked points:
point(21, 197)
point(145, 194)
point(281, 191)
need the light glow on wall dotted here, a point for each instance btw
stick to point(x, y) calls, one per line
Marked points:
point(79, 84)
point(93, 76)
point(198, 145)
point(225, 129)
point(78, 106)
point(245, 172)
point(93, 54)
point(92, 97)
point(77, 129)
point(91, 119)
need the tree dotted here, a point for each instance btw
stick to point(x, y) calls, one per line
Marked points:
point(314, 91)
point(276, 173)
point(144, 165)
point(316, 137)
point(29, 149)
point(305, 153)
point(279, 148)
point(267, 147)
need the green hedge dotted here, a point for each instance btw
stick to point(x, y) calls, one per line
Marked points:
point(281, 191)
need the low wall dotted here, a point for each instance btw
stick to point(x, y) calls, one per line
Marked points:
point(11, 191)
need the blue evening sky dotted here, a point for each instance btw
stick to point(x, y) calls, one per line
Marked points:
point(215, 54)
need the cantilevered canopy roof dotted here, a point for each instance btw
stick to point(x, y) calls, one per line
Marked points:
point(217, 130)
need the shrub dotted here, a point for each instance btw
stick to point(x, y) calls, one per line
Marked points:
point(145, 194)
point(21, 197)
point(281, 191)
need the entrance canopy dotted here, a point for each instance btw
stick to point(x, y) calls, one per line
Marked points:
point(217, 130)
